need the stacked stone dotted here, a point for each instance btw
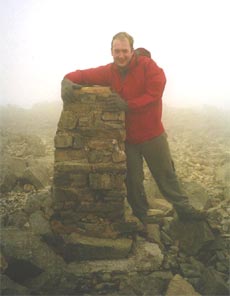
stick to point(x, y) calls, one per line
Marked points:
point(90, 168)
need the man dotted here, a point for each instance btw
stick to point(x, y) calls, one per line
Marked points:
point(138, 84)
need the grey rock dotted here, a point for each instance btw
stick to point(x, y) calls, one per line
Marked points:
point(219, 217)
point(39, 200)
point(9, 287)
point(12, 169)
point(196, 193)
point(192, 236)
point(145, 284)
point(23, 245)
point(213, 283)
point(93, 248)
point(18, 219)
point(37, 174)
point(179, 286)
point(223, 173)
point(39, 225)
point(145, 257)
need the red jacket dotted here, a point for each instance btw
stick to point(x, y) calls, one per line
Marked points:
point(142, 88)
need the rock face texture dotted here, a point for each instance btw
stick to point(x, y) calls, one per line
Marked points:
point(89, 174)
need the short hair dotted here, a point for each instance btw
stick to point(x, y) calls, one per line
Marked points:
point(123, 35)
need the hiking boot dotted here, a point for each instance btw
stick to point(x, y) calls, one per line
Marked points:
point(152, 217)
point(189, 213)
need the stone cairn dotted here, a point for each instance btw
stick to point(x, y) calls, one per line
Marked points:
point(89, 175)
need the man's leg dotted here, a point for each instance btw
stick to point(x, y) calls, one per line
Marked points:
point(158, 158)
point(134, 181)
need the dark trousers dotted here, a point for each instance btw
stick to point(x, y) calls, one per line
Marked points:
point(158, 158)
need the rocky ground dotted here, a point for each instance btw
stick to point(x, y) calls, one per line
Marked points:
point(27, 149)
point(199, 141)
point(200, 145)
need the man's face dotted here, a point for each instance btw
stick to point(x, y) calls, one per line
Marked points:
point(121, 52)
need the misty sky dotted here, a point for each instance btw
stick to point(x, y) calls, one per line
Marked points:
point(42, 40)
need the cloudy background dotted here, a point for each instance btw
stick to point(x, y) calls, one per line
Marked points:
point(42, 40)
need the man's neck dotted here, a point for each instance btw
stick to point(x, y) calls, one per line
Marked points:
point(123, 71)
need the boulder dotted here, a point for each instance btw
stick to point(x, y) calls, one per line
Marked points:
point(9, 287)
point(196, 193)
point(179, 286)
point(192, 236)
point(93, 248)
point(12, 169)
point(213, 283)
point(145, 284)
point(38, 174)
point(23, 246)
point(17, 172)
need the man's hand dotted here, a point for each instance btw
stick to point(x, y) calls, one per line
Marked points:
point(115, 102)
point(67, 90)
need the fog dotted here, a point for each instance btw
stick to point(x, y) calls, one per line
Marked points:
point(41, 41)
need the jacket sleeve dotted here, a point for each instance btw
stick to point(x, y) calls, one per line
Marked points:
point(154, 84)
point(94, 76)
